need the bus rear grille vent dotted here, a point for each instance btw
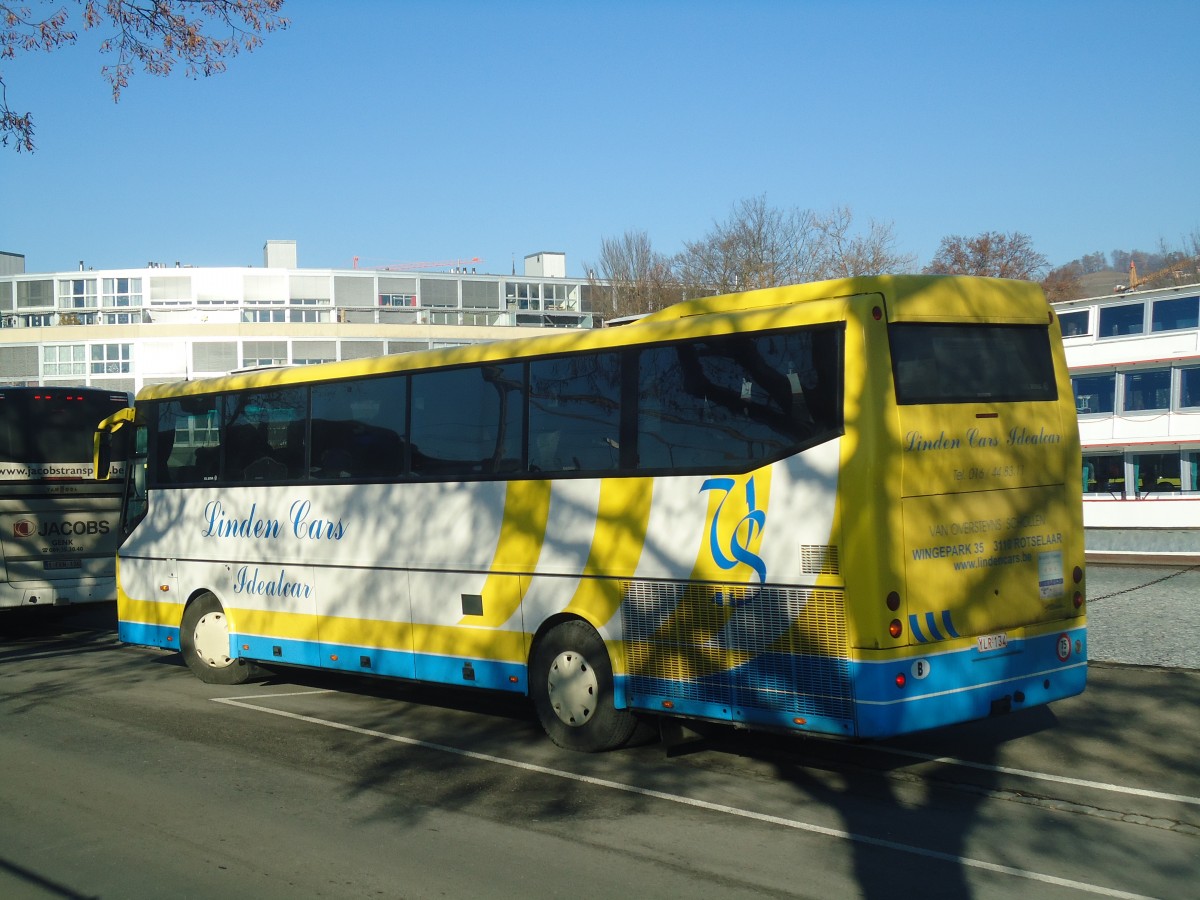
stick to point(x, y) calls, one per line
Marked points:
point(820, 559)
point(782, 649)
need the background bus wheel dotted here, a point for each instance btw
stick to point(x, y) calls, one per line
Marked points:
point(572, 686)
point(204, 642)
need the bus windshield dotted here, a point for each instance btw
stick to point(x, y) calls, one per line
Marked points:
point(42, 429)
point(58, 526)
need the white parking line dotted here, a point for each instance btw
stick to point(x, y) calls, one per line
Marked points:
point(836, 833)
point(1042, 776)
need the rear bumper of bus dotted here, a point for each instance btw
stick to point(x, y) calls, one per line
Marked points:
point(916, 693)
point(894, 693)
point(30, 594)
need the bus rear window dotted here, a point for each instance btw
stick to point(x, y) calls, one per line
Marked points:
point(956, 363)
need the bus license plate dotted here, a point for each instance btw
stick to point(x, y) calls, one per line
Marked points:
point(992, 642)
point(62, 564)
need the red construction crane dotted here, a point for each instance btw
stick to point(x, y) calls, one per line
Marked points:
point(424, 264)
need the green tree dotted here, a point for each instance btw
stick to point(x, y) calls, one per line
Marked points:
point(155, 35)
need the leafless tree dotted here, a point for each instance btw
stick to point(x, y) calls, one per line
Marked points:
point(846, 254)
point(757, 246)
point(154, 35)
point(640, 278)
point(991, 253)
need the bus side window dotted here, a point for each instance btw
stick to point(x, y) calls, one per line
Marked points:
point(467, 422)
point(732, 400)
point(575, 413)
point(358, 428)
point(265, 434)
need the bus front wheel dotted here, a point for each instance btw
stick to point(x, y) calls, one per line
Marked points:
point(571, 682)
point(204, 642)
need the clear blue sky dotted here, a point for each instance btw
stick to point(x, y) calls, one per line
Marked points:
point(410, 131)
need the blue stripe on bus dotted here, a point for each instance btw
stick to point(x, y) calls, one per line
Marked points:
point(772, 689)
point(949, 623)
point(914, 625)
point(933, 631)
point(147, 635)
point(452, 670)
point(777, 719)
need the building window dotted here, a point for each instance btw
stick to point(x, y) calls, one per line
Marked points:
point(1147, 390)
point(1189, 387)
point(109, 359)
point(1156, 472)
point(439, 292)
point(33, 294)
point(480, 294)
point(77, 293)
point(1191, 470)
point(76, 318)
point(1094, 393)
point(397, 299)
point(1104, 474)
point(1116, 321)
point(64, 359)
point(124, 318)
point(522, 295)
point(264, 315)
point(122, 292)
point(309, 311)
point(264, 353)
point(1074, 323)
point(1173, 315)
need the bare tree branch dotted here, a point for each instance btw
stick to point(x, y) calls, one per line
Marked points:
point(152, 34)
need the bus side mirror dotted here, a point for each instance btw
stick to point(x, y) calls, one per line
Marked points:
point(103, 455)
point(102, 442)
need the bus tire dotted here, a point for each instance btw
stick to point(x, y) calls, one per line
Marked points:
point(571, 682)
point(204, 643)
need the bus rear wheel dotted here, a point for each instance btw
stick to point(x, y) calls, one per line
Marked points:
point(204, 643)
point(571, 682)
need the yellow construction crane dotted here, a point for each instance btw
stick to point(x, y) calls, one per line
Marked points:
point(1184, 271)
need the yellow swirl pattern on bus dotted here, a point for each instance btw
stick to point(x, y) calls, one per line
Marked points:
point(621, 519)
point(522, 535)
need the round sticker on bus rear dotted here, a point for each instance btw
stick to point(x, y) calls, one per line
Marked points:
point(920, 669)
point(1064, 647)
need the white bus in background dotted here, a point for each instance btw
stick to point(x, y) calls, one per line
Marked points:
point(59, 527)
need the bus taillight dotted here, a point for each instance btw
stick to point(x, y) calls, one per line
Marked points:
point(893, 602)
point(895, 629)
point(1077, 599)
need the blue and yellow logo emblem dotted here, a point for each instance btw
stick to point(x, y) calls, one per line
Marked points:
point(737, 518)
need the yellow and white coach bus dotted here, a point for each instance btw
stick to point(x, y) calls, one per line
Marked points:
point(850, 507)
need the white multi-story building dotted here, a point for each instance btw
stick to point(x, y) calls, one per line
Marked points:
point(1135, 369)
point(125, 328)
